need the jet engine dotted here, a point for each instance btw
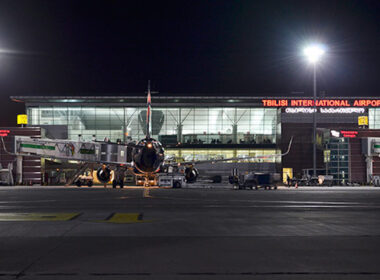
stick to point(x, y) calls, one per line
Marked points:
point(103, 174)
point(191, 174)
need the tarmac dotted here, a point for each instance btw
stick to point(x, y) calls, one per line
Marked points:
point(202, 232)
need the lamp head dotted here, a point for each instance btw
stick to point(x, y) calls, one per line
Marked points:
point(314, 53)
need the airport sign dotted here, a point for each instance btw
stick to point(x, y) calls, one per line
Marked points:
point(22, 119)
point(4, 132)
point(344, 133)
point(363, 120)
point(330, 110)
point(321, 103)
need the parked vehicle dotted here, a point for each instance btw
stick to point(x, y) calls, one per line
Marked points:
point(85, 179)
point(174, 180)
point(255, 180)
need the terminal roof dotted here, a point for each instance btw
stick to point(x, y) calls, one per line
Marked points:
point(138, 100)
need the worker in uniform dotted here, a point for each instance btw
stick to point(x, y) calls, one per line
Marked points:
point(104, 169)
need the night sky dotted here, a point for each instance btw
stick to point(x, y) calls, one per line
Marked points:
point(185, 47)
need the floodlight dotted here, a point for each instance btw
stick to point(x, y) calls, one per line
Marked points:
point(314, 53)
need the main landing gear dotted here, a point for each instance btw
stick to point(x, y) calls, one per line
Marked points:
point(116, 182)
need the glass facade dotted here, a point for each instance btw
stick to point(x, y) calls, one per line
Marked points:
point(338, 161)
point(191, 125)
point(209, 154)
point(374, 118)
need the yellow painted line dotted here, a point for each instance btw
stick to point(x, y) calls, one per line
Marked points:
point(37, 217)
point(125, 218)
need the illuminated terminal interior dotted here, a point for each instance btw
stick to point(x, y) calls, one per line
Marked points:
point(209, 154)
point(188, 125)
point(374, 118)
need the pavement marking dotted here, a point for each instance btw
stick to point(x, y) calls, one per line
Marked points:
point(124, 218)
point(290, 206)
point(26, 201)
point(37, 217)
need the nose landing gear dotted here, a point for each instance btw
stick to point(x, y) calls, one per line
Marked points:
point(146, 187)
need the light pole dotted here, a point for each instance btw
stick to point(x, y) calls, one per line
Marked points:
point(313, 54)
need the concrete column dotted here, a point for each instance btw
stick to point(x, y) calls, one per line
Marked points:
point(369, 168)
point(234, 133)
point(179, 126)
point(124, 126)
point(179, 133)
point(19, 170)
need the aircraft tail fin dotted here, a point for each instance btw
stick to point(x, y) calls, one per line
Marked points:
point(148, 112)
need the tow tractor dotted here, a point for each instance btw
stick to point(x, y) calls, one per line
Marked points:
point(141, 180)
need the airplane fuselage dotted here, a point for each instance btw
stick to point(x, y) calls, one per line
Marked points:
point(148, 156)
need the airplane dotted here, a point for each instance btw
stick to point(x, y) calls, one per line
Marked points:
point(148, 157)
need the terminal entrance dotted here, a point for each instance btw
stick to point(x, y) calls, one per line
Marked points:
point(287, 173)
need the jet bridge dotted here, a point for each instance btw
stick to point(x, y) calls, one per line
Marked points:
point(90, 151)
point(84, 152)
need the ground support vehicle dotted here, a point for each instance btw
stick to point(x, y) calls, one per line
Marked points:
point(325, 180)
point(6, 177)
point(85, 179)
point(174, 180)
point(255, 180)
point(375, 180)
point(143, 180)
point(321, 180)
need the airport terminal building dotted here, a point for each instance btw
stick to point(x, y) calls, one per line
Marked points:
point(199, 127)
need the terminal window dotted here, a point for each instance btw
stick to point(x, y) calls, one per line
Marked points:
point(219, 125)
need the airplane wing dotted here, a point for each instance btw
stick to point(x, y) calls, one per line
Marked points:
point(239, 158)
